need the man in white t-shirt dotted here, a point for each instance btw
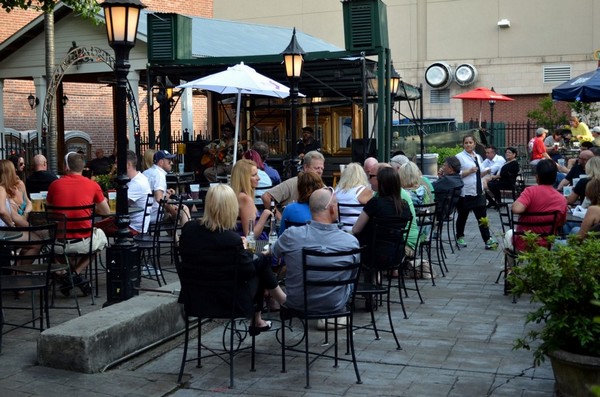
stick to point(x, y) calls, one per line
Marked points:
point(137, 193)
point(157, 176)
point(138, 189)
point(491, 165)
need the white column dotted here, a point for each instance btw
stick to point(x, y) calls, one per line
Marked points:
point(40, 93)
point(134, 81)
point(187, 112)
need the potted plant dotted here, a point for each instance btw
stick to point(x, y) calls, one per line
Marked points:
point(564, 284)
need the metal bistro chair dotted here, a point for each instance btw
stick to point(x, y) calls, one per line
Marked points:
point(426, 220)
point(145, 240)
point(348, 214)
point(162, 234)
point(543, 222)
point(258, 196)
point(317, 278)
point(57, 269)
point(445, 210)
point(505, 215)
point(28, 277)
point(212, 291)
point(75, 220)
point(384, 257)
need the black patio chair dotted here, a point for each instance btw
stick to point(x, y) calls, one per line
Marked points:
point(320, 278)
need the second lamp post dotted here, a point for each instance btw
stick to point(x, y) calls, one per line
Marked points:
point(293, 59)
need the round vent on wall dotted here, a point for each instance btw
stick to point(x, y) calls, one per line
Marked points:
point(438, 75)
point(465, 74)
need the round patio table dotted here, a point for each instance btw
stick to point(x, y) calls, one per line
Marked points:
point(6, 235)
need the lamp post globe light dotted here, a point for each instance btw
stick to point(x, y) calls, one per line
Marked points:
point(293, 60)
point(122, 17)
point(394, 81)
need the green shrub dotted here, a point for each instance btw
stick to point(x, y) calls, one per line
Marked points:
point(444, 152)
point(106, 182)
point(564, 283)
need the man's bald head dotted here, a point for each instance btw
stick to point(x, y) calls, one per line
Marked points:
point(323, 205)
point(586, 154)
point(39, 162)
point(370, 165)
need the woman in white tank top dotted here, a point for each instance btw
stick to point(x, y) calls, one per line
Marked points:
point(353, 188)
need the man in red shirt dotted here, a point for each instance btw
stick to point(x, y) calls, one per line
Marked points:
point(73, 189)
point(539, 198)
point(538, 152)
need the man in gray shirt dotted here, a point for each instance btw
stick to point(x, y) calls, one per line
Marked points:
point(322, 234)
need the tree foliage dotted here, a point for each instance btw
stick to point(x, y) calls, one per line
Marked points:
point(587, 112)
point(547, 115)
point(87, 8)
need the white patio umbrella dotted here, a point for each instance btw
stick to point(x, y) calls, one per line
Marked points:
point(239, 79)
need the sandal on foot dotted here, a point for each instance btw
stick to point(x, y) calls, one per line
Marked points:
point(253, 331)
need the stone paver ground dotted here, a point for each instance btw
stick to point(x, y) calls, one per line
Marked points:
point(458, 343)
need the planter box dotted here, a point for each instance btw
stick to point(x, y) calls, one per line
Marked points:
point(574, 373)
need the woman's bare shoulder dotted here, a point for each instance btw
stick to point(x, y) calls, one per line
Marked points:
point(243, 198)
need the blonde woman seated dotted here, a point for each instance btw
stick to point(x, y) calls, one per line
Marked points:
point(215, 232)
point(14, 203)
point(413, 182)
point(244, 181)
point(353, 188)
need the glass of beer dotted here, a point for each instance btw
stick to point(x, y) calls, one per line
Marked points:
point(44, 195)
point(36, 202)
point(112, 200)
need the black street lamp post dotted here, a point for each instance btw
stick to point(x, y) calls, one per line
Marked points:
point(492, 103)
point(394, 84)
point(122, 17)
point(293, 60)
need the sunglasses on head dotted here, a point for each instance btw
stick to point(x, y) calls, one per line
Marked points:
point(330, 189)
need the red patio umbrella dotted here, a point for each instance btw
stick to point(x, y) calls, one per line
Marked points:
point(484, 94)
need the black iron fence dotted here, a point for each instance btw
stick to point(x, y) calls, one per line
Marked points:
point(26, 147)
point(515, 134)
point(178, 137)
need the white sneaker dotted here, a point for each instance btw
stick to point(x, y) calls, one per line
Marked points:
point(148, 270)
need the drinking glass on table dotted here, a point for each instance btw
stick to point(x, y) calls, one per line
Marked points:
point(36, 202)
point(195, 191)
point(112, 200)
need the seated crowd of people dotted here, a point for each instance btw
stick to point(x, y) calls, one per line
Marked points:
point(307, 210)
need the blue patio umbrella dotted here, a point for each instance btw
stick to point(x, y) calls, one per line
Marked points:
point(584, 88)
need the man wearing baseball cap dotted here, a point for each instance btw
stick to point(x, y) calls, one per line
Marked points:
point(307, 143)
point(157, 176)
point(538, 151)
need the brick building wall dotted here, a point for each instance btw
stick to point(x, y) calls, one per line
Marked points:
point(512, 111)
point(90, 106)
point(12, 21)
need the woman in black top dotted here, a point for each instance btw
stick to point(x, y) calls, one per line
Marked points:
point(202, 242)
point(388, 203)
point(506, 178)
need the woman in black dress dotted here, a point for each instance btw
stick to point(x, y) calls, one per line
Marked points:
point(202, 242)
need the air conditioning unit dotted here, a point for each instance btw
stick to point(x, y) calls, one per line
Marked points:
point(439, 75)
point(465, 74)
